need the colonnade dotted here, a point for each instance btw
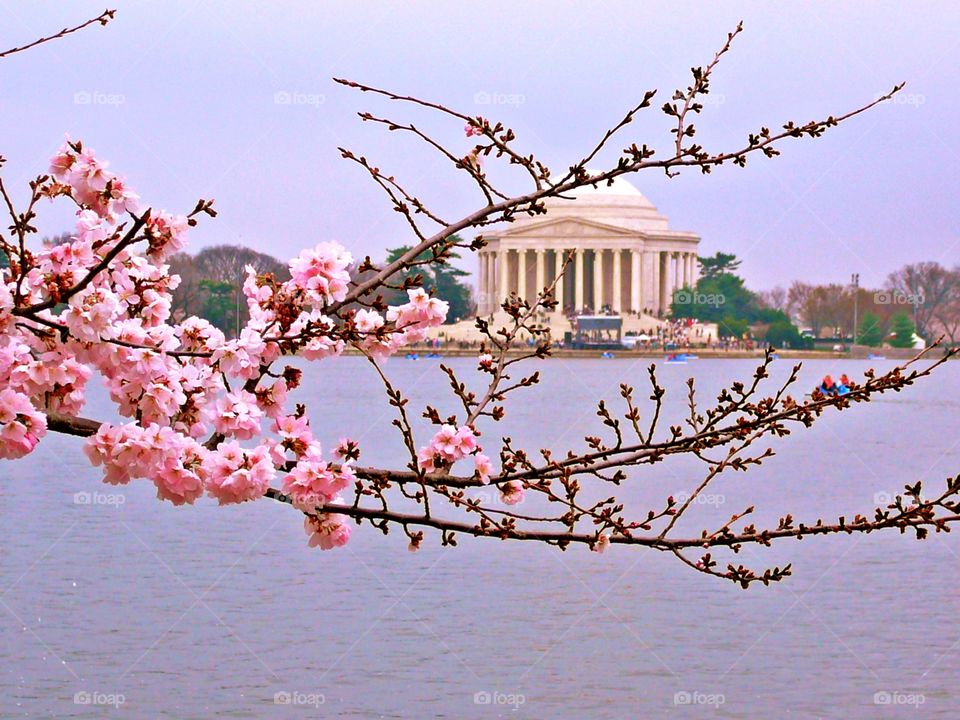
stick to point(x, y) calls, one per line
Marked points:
point(617, 279)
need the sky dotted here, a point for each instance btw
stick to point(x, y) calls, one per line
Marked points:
point(189, 100)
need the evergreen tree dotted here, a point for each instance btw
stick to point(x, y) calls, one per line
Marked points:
point(902, 328)
point(871, 331)
point(442, 280)
point(718, 264)
point(783, 333)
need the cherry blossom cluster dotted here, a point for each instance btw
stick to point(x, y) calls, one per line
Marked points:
point(205, 415)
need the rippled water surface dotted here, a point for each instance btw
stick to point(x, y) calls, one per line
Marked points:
point(211, 612)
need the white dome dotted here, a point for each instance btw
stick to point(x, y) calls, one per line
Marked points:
point(620, 204)
point(620, 186)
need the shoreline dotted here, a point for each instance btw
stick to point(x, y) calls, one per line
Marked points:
point(701, 353)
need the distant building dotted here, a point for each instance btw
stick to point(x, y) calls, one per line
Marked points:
point(626, 257)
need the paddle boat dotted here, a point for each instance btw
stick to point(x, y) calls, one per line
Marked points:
point(871, 356)
point(675, 359)
point(607, 355)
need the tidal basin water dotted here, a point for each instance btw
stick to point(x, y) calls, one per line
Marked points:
point(114, 604)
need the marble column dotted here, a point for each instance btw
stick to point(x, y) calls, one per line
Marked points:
point(522, 273)
point(649, 282)
point(597, 280)
point(491, 282)
point(636, 282)
point(617, 281)
point(481, 282)
point(541, 269)
point(578, 281)
point(663, 277)
point(677, 273)
point(558, 273)
point(503, 286)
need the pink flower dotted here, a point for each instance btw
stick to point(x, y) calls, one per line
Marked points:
point(367, 321)
point(322, 273)
point(447, 446)
point(238, 415)
point(328, 530)
point(416, 317)
point(471, 129)
point(294, 433)
point(21, 426)
point(483, 467)
point(180, 476)
point(236, 475)
point(314, 482)
point(167, 234)
point(602, 543)
point(511, 493)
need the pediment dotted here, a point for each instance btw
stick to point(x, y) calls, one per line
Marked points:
point(566, 227)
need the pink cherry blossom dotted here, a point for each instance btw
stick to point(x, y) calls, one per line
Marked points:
point(322, 273)
point(447, 446)
point(313, 482)
point(239, 415)
point(511, 493)
point(416, 317)
point(483, 467)
point(167, 234)
point(236, 475)
point(21, 426)
point(327, 530)
point(602, 543)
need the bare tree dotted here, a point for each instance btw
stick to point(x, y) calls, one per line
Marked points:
point(924, 288)
point(775, 298)
point(947, 316)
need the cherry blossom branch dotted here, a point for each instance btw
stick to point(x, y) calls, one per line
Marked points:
point(102, 19)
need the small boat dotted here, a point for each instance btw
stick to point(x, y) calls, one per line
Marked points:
point(607, 355)
point(840, 390)
point(412, 356)
point(433, 355)
point(676, 360)
point(871, 356)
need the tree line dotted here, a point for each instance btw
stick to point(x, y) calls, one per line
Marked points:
point(921, 298)
point(211, 284)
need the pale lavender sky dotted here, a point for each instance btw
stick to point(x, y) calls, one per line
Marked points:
point(182, 102)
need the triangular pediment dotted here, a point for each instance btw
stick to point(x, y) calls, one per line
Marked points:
point(566, 227)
